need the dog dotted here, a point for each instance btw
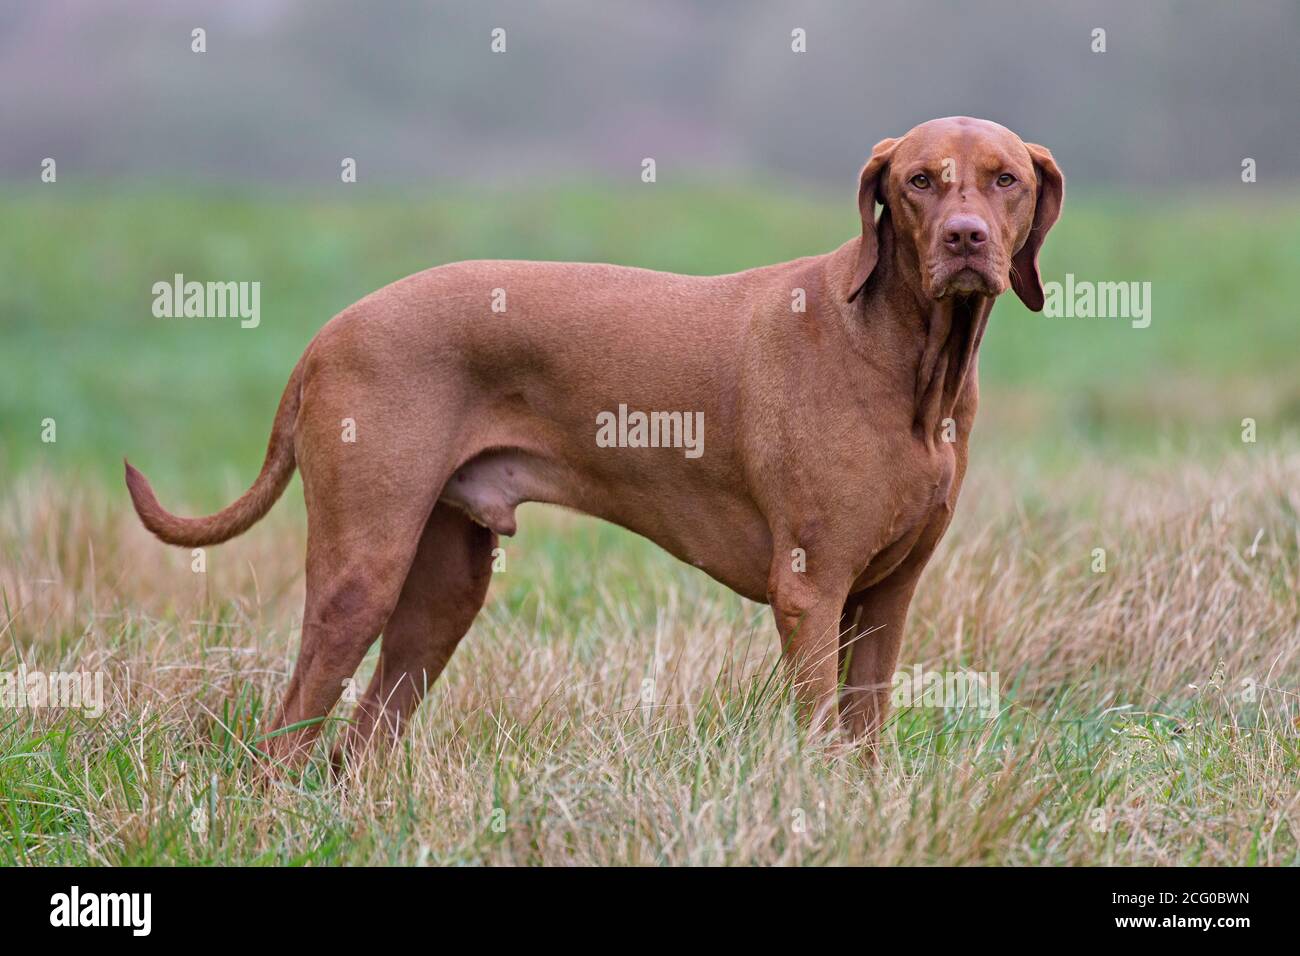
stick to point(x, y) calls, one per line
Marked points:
point(837, 433)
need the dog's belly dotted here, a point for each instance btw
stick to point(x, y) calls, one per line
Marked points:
point(728, 539)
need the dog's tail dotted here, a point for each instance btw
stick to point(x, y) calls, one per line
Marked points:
point(238, 517)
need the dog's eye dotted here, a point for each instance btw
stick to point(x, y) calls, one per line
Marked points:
point(1006, 179)
point(920, 181)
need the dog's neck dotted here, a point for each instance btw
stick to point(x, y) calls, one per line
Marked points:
point(937, 340)
point(953, 329)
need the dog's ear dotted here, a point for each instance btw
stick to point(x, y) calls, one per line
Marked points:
point(1025, 278)
point(870, 192)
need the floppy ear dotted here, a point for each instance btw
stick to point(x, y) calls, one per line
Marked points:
point(1051, 194)
point(869, 193)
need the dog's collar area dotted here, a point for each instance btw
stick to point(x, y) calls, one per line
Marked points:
point(954, 327)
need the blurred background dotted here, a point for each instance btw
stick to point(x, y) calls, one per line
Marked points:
point(225, 166)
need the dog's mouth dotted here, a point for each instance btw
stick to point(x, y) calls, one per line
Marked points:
point(965, 277)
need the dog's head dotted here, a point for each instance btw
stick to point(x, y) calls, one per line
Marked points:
point(969, 204)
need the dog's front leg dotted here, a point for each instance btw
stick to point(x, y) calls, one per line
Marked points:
point(807, 611)
point(871, 630)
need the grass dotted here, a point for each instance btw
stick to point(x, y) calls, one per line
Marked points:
point(190, 400)
point(1147, 714)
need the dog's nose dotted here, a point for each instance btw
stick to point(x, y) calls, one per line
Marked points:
point(965, 234)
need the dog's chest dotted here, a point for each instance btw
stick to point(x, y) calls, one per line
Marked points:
point(928, 481)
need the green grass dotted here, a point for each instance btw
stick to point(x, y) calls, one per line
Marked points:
point(1125, 733)
point(1147, 715)
point(1082, 786)
point(192, 399)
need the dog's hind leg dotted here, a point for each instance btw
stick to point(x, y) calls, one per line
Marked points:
point(443, 593)
point(352, 589)
point(368, 502)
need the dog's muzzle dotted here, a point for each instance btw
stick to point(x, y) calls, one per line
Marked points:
point(962, 275)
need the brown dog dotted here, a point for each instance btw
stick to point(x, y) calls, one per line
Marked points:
point(836, 434)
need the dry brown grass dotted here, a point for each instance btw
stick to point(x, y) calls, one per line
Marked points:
point(1127, 732)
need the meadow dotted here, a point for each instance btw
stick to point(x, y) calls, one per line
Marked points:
point(1148, 712)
